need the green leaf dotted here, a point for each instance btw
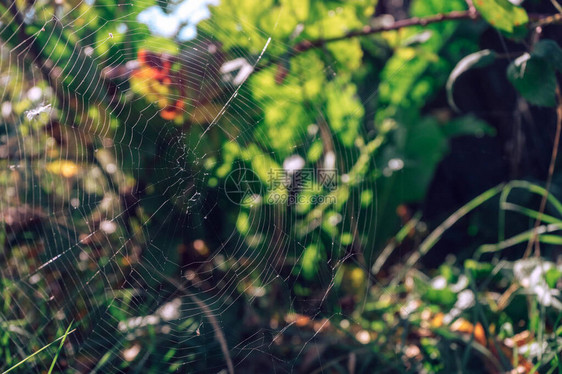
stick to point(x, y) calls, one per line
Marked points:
point(468, 125)
point(502, 14)
point(315, 151)
point(243, 223)
point(425, 143)
point(479, 270)
point(343, 109)
point(550, 51)
point(534, 78)
point(311, 258)
point(551, 276)
point(414, 73)
point(443, 297)
point(347, 52)
point(474, 60)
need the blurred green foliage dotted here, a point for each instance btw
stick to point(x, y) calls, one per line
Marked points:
point(118, 218)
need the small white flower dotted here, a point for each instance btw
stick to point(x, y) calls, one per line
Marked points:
point(439, 283)
point(293, 163)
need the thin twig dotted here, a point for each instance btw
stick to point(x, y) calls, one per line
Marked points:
point(557, 6)
point(549, 178)
point(471, 13)
point(543, 21)
point(219, 334)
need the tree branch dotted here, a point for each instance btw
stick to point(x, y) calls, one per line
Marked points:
point(547, 20)
point(471, 13)
point(471, 8)
point(306, 45)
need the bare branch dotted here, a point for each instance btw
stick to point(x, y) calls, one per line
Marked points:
point(471, 13)
point(369, 30)
point(471, 8)
point(547, 20)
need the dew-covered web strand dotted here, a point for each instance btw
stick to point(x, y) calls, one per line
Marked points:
point(53, 233)
point(236, 106)
point(234, 95)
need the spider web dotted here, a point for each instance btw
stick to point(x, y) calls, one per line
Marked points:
point(117, 221)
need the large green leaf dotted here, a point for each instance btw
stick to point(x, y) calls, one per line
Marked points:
point(534, 78)
point(502, 14)
point(550, 51)
point(405, 81)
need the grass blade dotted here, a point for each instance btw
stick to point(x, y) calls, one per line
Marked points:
point(60, 349)
point(531, 213)
point(38, 351)
point(523, 237)
point(434, 237)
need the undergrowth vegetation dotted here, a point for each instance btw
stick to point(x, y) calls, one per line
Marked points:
point(275, 186)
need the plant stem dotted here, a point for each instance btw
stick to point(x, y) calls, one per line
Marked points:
point(549, 178)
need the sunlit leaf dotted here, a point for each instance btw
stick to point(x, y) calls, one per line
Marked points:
point(464, 326)
point(311, 258)
point(502, 14)
point(344, 110)
point(67, 169)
